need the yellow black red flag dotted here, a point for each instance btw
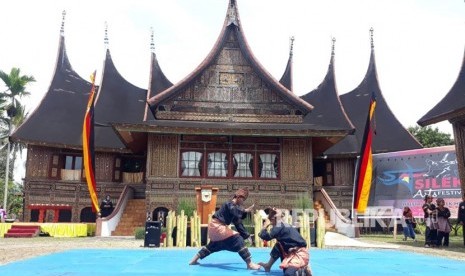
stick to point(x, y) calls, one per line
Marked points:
point(363, 176)
point(88, 147)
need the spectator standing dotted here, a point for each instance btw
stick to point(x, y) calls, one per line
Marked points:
point(2, 214)
point(461, 216)
point(407, 224)
point(106, 207)
point(429, 210)
point(443, 222)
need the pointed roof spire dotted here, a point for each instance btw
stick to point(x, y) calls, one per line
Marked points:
point(62, 29)
point(328, 113)
point(333, 45)
point(391, 134)
point(291, 46)
point(286, 79)
point(152, 41)
point(232, 13)
point(105, 39)
point(371, 38)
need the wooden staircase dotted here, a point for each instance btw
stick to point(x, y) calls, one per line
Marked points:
point(134, 216)
point(22, 231)
point(317, 205)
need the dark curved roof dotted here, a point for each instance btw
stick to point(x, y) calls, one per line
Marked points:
point(451, 106)
point(57, 120)
point(158, 83)
point(118, 101)
point(232, 24)
point(286, 79)
point(328, 110)
point(390, 134)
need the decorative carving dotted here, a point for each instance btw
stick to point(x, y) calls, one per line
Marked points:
point(65, 187)
point(231, 79)
point(162, 156)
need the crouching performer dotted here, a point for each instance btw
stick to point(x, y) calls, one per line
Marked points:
point(290, 247)
point(222, 237)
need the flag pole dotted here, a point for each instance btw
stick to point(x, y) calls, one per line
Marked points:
point(88, 148)
point(364, 168)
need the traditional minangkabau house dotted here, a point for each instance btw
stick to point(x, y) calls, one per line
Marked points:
point(336, 166)
point(228, 124)
point(452, 108)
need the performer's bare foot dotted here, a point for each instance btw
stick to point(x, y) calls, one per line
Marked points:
point(308, 272)
point(266, 266)
point(253, 266)
point(194, 260)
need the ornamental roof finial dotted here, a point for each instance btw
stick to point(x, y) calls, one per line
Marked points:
point(333, 46)
point(105, 39)
point(371, 37)
point(152, 40)
point(62, 30)
point(291, 46)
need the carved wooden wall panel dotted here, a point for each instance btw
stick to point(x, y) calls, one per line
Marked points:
point(38, 161)
point(297, 159)
point(343, 170)
point(104, 163)
point(162, 156)
point(231, 87)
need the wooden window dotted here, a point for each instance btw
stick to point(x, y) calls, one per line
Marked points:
point(268, 165)
point(217, 164)
point(230, 157)
point(243, 164)
point(55, 167)
point(117, 170)
point(72, 168)
point(191, 163)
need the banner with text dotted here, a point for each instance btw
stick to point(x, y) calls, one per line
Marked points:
point(404, 178)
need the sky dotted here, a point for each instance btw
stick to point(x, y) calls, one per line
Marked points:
point(419, 44)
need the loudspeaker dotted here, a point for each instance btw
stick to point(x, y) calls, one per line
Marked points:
point(152, 234)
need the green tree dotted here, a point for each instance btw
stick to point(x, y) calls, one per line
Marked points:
point(431, 137)
point(15, 84)
point(11, 116)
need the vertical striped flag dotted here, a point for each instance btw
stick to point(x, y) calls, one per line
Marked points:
point(363, 176)
point(88, 147)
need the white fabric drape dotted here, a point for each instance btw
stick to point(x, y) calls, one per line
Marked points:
point(191, 160)
point(243, 161)
point(217, 164)
point(268, 168)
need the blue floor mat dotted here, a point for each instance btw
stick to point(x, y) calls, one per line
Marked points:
point(175, 262)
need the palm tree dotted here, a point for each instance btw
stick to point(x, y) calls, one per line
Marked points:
point(15, 85)
point(15, 90)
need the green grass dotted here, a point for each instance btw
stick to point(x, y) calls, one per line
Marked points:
point(455, 242)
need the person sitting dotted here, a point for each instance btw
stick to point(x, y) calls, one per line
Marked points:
point(106, 207)
point(290, 246)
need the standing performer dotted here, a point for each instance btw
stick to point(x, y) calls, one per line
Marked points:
point(290, 246)
point(222, 237)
